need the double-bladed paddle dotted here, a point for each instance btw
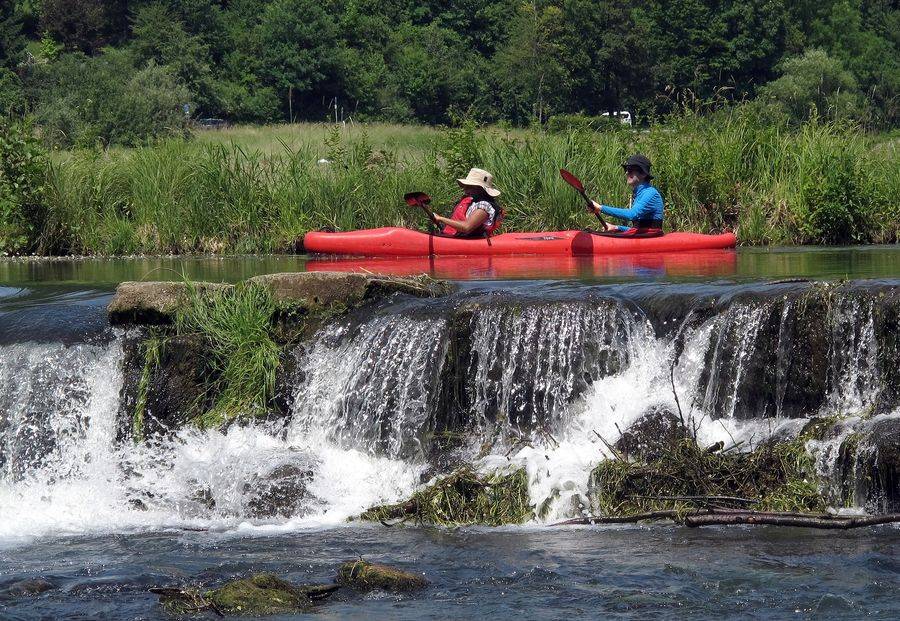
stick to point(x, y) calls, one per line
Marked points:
point(422, 200)
point(575, 182)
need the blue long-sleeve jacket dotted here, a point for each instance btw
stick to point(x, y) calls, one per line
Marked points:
point(646, 204)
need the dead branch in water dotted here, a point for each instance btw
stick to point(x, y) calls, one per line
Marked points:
point(787, 519)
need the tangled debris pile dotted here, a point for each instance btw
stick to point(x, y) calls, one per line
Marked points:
point(685, 477)
point(464, 497)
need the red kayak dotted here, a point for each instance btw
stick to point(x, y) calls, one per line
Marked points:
point(398, 242)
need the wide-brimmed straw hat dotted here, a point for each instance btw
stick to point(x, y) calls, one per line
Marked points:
point(482, 179)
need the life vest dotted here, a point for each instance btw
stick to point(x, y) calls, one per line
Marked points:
point(459, 213)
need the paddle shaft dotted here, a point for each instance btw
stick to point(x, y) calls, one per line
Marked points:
point(575, 182)
point(430, 214)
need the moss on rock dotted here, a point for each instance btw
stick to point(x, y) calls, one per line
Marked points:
point(364, 576)
point(262, 594)
point(258, 595)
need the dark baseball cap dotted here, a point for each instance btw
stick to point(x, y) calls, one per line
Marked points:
point(639, 161)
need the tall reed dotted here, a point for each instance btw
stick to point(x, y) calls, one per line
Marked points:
point(824, 183)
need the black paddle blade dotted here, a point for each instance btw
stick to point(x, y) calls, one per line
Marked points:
point(572, 180)
point(416, 199)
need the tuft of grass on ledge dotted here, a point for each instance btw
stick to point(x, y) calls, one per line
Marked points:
point(152, 349)
point(462, 498)
point(236, 325)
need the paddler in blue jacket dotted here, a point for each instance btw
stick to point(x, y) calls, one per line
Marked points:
point(646, 211)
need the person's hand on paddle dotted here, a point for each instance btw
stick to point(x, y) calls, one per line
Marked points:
point(422, 200)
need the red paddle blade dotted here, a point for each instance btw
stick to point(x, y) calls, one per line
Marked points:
point(416, 199)
point(571, 179)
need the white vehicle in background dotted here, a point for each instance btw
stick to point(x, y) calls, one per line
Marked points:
point(624, 116)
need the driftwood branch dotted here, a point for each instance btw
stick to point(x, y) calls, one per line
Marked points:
point(787, 519)
point(733, 499)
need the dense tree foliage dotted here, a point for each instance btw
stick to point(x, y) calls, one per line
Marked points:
point(516, 60)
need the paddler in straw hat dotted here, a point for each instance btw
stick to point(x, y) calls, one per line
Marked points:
point(477, 213)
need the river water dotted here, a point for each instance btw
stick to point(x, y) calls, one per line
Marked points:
point(68, 490)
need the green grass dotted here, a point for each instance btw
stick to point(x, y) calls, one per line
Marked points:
point(236, 325)
point(259, 189)
point(152, 349)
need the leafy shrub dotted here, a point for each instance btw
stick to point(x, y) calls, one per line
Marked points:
point(815, 84)
point(22, 173)
point(10, 92)
point(104, 100)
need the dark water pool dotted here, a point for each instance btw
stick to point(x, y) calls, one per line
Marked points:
point(653, 572)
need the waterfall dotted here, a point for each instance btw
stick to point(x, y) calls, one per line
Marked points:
point(854, 380)
point(374, 388)
point(529, 362)
point(544, 384)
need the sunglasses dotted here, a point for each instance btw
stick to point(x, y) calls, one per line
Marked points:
point(632, 171)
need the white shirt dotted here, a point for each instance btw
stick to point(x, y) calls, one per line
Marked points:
point(487, 208)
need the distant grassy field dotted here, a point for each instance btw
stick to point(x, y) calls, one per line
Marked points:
point(258, 189)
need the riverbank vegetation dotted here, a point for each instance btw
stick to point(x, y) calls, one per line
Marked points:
point(773, 119)
point(260, 189)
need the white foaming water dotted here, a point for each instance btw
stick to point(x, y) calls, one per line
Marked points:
point(65, 400)
point(558, 467)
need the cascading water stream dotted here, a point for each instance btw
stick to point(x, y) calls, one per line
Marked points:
point(375, 389)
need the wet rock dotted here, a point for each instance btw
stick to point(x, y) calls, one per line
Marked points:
point(870, 465)
point(364, 576)
point(768, 357)
point(652, 435)
point(177, 385)
point(887, 327)
point(279, 493)
point(318, 291)
point(153, 302)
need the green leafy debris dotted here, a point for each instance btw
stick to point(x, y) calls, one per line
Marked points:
point(464, 497)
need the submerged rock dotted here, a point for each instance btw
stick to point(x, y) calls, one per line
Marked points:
point(364, 576)
point(27, 587)
point(261, 594)
point(153, 302)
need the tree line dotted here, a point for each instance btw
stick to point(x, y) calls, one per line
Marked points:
point(119, 71)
